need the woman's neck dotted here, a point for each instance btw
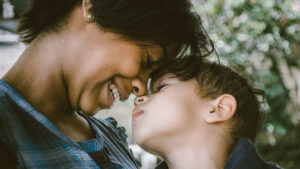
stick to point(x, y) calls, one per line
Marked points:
point(38, 76)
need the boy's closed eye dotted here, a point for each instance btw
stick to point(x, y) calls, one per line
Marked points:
point(161, 83)
point(161, 86)
point(157, 88)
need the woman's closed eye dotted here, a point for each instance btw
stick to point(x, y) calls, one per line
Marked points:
point(148, 63)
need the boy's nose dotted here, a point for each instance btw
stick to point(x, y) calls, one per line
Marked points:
point(140, 100)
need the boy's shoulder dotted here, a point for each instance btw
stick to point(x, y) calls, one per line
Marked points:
point(245, 155)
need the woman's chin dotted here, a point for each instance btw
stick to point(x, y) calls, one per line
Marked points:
point(90, 111)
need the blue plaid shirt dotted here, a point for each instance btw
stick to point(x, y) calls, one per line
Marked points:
point(36, 143)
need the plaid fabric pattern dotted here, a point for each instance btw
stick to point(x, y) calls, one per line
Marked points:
point(37, 143)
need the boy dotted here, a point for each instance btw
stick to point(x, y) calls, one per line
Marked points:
point(205, 119)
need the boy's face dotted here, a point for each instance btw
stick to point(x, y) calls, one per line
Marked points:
point(172, 110)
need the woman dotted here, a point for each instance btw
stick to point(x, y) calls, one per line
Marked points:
point(81, 57)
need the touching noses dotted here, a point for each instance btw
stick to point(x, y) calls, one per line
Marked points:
point(140, 100)
point(139, 84)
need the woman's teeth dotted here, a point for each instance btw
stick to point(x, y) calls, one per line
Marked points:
point(115, 92)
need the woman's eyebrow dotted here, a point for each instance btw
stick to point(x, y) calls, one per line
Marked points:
point(154, 63)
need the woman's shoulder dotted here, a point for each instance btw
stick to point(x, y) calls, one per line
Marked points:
point(9, 99)
point(4, 99)
point(8, 109)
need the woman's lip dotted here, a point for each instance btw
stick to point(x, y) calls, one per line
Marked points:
point(122, 92)
point(136, 113)
point(118, 88)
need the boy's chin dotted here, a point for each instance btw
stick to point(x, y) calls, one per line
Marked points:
point(148, 144)
point(138, 140)
point(153, 149)
point(141, 141)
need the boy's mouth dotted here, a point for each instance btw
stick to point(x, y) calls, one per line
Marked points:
point(136, 113)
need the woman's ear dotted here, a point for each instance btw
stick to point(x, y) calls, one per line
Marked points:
point(86, 5)
point(222, 109)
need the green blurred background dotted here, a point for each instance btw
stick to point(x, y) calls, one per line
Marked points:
point(262, 38)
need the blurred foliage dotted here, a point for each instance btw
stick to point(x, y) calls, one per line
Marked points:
point(262, 38)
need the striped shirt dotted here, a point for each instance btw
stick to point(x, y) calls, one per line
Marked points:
point(36, 143)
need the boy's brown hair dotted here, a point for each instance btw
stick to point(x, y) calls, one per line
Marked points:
point(215, 80)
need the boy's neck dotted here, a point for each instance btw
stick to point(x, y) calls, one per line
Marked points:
point(199, 153)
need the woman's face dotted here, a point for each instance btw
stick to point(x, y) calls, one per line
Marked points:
point(106, 68)
point(169, 113)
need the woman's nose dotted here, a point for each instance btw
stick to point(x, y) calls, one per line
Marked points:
point(139, 87)
point(139, 83)
point(140, 100)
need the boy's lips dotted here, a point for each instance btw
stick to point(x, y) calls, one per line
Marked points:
point(136, 113)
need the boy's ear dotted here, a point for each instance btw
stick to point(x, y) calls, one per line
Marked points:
point(222, 109)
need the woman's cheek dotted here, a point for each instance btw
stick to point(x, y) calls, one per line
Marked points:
point(130, 67)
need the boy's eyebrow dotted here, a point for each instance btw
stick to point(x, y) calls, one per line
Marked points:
point(149, 85)
point(153, 82)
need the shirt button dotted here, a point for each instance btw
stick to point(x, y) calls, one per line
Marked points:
point(100, 157)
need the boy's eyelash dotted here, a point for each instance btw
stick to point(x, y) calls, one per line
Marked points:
point(161, 86)
point(150, 91)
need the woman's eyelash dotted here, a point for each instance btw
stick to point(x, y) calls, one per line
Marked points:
point(148, 64)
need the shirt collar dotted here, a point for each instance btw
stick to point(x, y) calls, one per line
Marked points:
point(244, 155)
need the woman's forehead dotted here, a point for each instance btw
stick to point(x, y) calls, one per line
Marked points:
point(167, 52)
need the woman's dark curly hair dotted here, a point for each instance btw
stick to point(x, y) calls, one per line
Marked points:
point(152, 22)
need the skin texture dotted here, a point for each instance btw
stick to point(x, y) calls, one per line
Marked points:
point(70, 70)
point(177, 124)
